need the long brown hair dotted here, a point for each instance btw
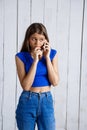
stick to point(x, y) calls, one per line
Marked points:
point(33, 28)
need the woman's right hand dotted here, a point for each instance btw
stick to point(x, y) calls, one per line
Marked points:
point(37, 54)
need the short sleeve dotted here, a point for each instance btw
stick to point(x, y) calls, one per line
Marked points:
point(52, 53)
point(21, 56)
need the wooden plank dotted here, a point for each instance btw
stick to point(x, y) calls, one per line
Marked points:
point(83, 91)
point(10, 8)
point(23, 20)
point(74, 64)
point(37, 12)
point(1, 63)
point(62, 41)
point(50, 19)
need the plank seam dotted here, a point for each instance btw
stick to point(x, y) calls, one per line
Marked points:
point(81, 63)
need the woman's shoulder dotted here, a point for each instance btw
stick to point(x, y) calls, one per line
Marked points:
point(21, 56)
point(53, 53)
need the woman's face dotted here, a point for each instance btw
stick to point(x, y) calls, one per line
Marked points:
point(36, 41)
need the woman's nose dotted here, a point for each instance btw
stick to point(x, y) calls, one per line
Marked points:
point(37, 42)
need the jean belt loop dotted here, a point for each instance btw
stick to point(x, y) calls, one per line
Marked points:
point(46, 94)
point(39, 94)
point(30, 93)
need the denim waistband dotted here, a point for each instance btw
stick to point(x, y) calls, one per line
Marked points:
point(48, 93)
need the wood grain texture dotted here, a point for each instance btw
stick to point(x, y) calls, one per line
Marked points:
point(37, 11)
point(1, 62)
point(50, 15)
point(83, 90)
point(74, 64)
point(63, 18)
point(9, 64)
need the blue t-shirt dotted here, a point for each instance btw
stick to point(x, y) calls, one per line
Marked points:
point(41, 76)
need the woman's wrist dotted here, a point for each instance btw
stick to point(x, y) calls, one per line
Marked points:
point(47, 58)
point(35, 61)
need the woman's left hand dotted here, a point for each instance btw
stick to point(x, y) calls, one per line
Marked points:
point(46, 49)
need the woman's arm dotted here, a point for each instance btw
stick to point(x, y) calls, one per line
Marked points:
point(25, 80)
point(52, 67)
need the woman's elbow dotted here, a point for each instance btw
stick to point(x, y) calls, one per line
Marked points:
point(25, 86)
point(56, 82)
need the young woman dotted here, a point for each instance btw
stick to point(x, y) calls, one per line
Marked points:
point(37, 70)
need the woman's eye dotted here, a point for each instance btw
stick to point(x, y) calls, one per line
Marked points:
point(33, 39)
point(41, 40)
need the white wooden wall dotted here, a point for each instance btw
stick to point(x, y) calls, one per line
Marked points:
point(66, 22)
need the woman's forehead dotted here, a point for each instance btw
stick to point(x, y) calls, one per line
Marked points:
point(38, 35)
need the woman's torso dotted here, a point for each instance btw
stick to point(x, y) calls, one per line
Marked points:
point(40, 89)
point(41, 81)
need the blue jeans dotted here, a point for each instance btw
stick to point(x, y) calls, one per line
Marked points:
point(35, 108)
